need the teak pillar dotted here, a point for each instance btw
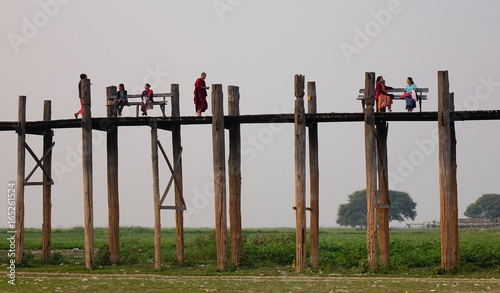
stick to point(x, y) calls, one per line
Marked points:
point(47, 189)
point(371, 170)
point(219, 175)
point(450, 254)
point(156, 192)
point(314, 176)
point(87, 173)
point(179, 192)
point(300, 174)
point(112, 166)
point(234, 166)
point(21, 160)
point(384, 202)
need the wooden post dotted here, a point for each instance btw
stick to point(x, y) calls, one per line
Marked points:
point(454, 199)
point(21, 165)
point(450, 254)
point(47, 189)
point(300, 174)
point(219, 175)
point(234, 166)
point(371, 170)
point(112, 165)
point(384, 200)
point(156, 192)
point(314, 176)
point(87, 173)
point(179, 192)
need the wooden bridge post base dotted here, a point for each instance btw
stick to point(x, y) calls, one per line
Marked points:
point(219, 175)
point(47, 189)
point(21, 167)
point(112, 169)
point(179, 191)
point(384, 200)
point(300, 174)
point(371, 170)
point(234, 170)
point(156, 193)
point(314, 176)
point(87, 174)
point(450, 254)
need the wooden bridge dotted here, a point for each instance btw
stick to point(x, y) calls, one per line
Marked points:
point(376, 128)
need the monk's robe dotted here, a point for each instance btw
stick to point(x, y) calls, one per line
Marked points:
point(200, 95)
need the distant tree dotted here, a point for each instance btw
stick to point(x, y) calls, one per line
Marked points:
point(485, 207)
point(353, 213)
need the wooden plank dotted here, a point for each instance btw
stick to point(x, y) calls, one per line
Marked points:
point(176, 208)
point(87, 173)
point(300, 175)
point(169, 122)
point(47, 189)
point(384, 200)
point(179, 190)
point(399, 89)
point(21, 165)
point(157, 95)
point(307, 208)
point(97, 123)
point(450, 256)
point(156, 193)
point(234, 166)
point(44, 183)
point(396, 97)
point(371, 170)
point(314, 176)
point(219, 175)
point(154, 103)
point(112, 171)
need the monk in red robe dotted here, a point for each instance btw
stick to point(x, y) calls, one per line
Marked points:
point(200, 94)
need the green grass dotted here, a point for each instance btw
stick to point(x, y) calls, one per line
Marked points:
point(266, 252)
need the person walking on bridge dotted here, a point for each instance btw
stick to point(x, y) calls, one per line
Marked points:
point(200, 94)
point(83, 77)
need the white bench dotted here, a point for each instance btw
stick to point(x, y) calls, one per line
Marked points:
point(397, 92)
point(159, 102)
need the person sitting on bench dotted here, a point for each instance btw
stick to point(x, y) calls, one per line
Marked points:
point(121, 99)
point(147, 99)
point(381, 96)
point(410, 95)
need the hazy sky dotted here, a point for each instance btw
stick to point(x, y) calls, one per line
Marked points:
point(259, 46)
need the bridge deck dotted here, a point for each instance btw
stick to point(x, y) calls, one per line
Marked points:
point(168, 122)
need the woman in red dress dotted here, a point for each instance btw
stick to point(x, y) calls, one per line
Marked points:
point(381, 96)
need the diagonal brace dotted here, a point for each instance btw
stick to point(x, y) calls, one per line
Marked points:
point(39, 162)
point(174, 171)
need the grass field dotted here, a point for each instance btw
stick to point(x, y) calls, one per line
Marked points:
point(267, 263)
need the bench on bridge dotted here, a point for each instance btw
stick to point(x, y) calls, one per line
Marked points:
point(397, 92)
point(159, 102)
point(477, 223)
